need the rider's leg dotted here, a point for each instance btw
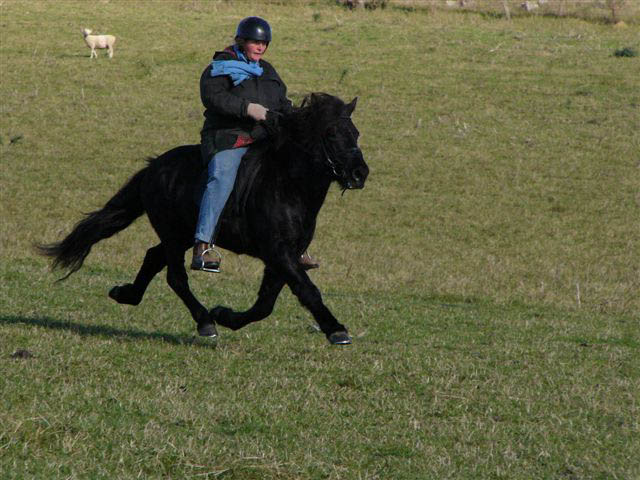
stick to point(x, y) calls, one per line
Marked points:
point(222, 171)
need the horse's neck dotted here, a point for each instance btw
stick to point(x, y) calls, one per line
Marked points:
point(303, 183)
point(316, 190)
point(303, 177)
point(311, 176)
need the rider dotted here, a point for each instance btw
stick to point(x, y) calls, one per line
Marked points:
point(237, 89)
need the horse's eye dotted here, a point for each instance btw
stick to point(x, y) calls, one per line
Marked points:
point(332, 132)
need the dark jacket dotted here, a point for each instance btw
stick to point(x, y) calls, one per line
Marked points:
point(227, 124)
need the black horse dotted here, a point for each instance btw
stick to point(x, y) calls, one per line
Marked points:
point(271, 214)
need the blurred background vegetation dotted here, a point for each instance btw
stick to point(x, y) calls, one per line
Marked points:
point(613, 11)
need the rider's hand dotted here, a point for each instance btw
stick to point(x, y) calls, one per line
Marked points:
point(257, 112)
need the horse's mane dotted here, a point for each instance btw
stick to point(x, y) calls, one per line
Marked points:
point(315, 112)
point(302, 126)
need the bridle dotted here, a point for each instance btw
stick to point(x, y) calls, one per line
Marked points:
point(330, 154)
point(337, 169)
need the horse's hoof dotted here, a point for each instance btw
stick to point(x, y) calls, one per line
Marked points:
point(339, 338)
point(123, 294)
point(207, 330)
point(114, 293)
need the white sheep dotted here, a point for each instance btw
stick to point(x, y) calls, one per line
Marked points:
point(529, 6)
point(98, 41)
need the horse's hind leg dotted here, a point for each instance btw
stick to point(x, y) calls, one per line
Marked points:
point(132, 293)
point(271, 287)
point(178, 280)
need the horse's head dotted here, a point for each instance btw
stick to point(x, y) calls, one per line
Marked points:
point(342, 153)
point(337, 137)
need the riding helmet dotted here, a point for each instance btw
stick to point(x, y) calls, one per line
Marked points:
point(254, 28)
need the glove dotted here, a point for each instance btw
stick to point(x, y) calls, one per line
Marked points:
point(257, 112)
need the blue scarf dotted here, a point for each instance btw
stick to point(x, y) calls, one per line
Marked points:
point(239, 70)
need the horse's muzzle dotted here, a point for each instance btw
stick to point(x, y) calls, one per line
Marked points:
point(358, 172)
point(358, 177)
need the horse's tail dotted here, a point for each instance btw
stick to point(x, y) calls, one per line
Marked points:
point(118, 213)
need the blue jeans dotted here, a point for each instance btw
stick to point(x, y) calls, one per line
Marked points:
point(223, 168)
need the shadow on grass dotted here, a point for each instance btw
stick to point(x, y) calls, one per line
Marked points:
point(107, 331)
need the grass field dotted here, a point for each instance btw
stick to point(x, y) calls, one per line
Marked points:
point(489, 272)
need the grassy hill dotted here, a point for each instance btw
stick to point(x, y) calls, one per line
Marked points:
point(489, 271)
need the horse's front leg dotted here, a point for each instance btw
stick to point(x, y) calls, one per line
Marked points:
point(309, 296)
point(270, 288)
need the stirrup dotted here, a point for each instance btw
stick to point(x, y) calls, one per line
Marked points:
point(211, 266)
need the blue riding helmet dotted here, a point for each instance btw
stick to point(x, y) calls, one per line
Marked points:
point(254, 28)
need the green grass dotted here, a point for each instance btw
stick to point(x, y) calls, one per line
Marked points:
point(489, 272)
point(432, 388)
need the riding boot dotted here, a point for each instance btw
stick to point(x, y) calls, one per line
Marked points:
point(203, 258)
point(308, 262)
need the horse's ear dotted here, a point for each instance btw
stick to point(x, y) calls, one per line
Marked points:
point(349, 108)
